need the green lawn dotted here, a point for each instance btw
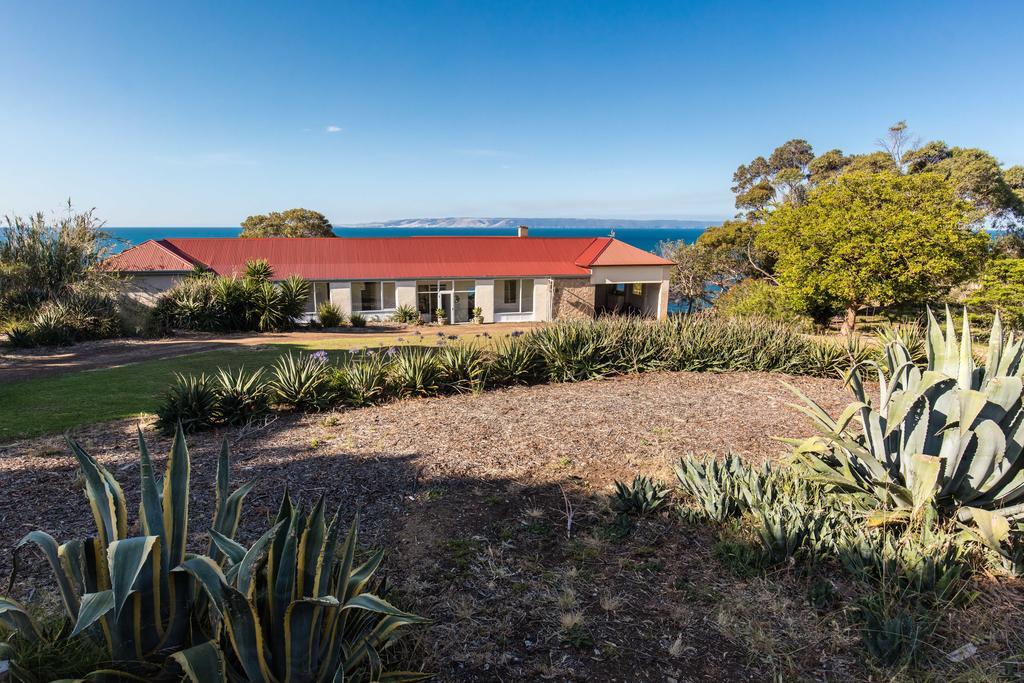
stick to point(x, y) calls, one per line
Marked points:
point(54, 404)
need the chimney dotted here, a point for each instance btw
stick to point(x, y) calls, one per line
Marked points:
point(522, 231)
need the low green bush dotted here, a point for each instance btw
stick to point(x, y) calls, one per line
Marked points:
point(357, 320)
point(329, 314)
point(761, 298)
point(75, 317)
point(406, 315)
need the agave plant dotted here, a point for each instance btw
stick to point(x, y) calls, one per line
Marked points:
point(363, 379)
point(514, 360)
point(297, 607)
point(461, 366)
point(415, 372)
point(140, 596)
point(294, 606)
point(301, 381)
point(947, 438)
point(191, 403)
point(241, 396)
point(783, 531)
point(720, 488)
point(643, 497)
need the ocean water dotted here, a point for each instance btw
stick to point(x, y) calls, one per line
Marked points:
point(645, 238)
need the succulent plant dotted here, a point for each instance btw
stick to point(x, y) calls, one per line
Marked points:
point(293, 606)
point(947, 438)
point(643, 497)
point(137, 595)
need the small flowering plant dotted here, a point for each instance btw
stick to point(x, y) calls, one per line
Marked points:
point(319, 356)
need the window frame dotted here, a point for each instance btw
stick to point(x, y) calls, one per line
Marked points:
point(380, 296)
point(313, 297)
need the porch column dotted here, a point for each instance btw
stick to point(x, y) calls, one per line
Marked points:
point(542, 299)
point(663, 300)
point(485, 299)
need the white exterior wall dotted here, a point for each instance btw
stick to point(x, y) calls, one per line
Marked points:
point(485, 299)
point(613, 275)
point(542, 298)
point(405, 293)
point(341, 296)
point(146, 288)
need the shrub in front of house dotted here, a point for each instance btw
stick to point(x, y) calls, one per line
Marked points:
point(207, 303)
point(294, 600)
point(406, 315)
point(330, 315)
point(76, 316)
point(357, 320)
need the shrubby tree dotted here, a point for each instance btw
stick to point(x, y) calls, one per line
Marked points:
point(290, 223)
point(721, 257)
point(875, 238)
point(1001, 288)
point(43, 260)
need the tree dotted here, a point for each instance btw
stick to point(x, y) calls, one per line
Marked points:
point(290, 223)
point(714, 263)
point(1001, 288)
point(875, 238)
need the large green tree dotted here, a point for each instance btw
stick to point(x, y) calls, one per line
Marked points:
point(290, 223)
point(878, 238)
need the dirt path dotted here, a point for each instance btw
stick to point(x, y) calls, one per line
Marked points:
point(32, 363)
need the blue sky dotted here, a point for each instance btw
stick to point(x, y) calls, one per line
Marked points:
point(183, 113)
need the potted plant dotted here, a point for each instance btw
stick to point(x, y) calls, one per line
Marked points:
point(478, 315)
point(440, 316)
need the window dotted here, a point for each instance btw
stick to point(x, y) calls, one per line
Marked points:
point(511, 291)
point(373, 296)
point(516, 296)
point(638, 289)
point(319, 293)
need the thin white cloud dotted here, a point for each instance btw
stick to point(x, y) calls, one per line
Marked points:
point(333, 129)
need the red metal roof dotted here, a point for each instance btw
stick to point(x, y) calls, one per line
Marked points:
point(375, 258)
point(151, 255)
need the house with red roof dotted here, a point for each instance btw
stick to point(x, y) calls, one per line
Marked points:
point(510, 279)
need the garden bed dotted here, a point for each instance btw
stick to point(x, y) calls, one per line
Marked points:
point(468, 493)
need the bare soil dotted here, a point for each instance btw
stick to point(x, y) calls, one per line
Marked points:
point(493, 508)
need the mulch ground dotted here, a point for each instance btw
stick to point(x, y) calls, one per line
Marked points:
point(493, 508)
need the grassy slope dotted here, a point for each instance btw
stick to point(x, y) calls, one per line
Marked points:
point(54, 404)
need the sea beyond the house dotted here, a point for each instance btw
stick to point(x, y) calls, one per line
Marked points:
point(647, 237)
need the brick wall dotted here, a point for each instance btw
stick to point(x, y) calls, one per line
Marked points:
point(573, 298)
